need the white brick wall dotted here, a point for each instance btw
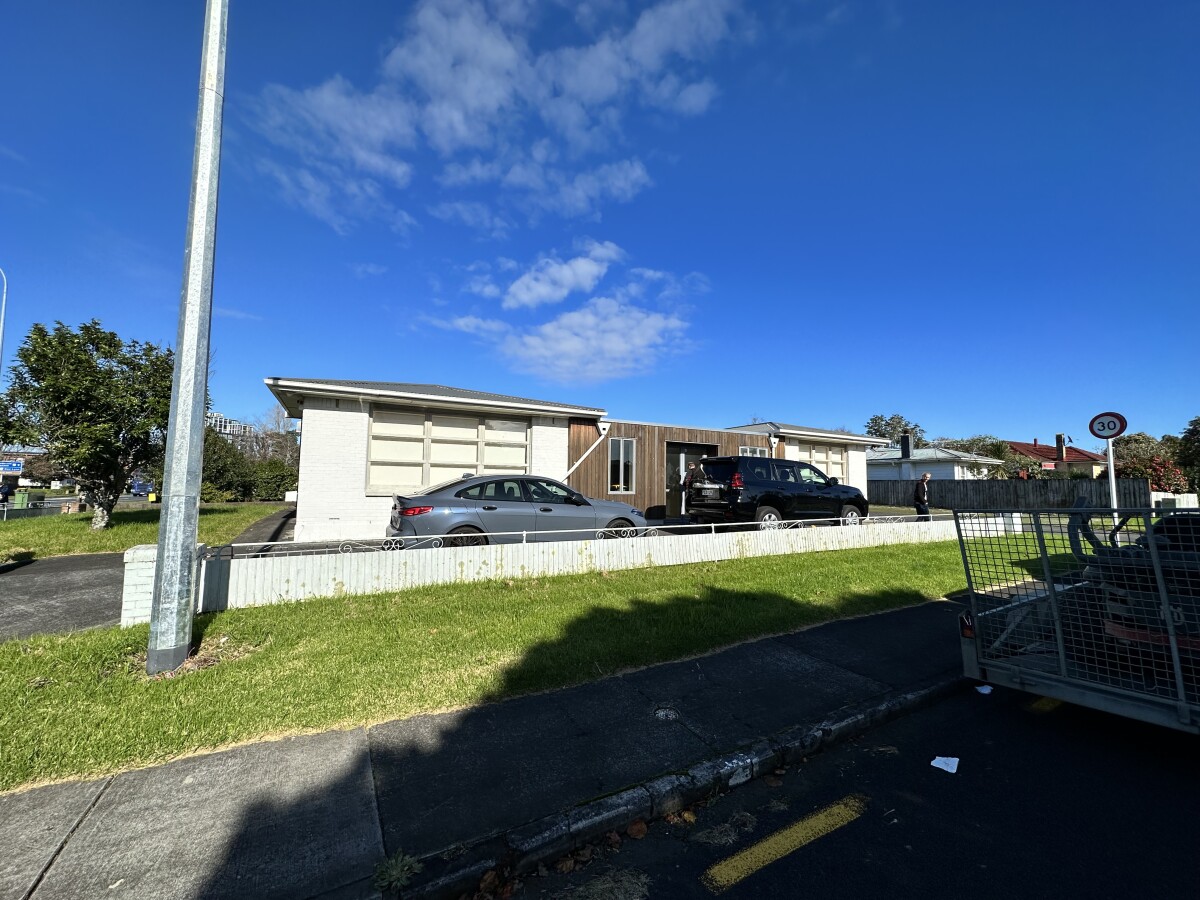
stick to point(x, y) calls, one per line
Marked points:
point(548, 447)
point(856, 468)
point(333, 502)
point(137, 594)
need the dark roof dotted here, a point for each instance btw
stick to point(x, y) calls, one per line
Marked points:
point(1049, 452)
point(929, 454)
point(421, 390)
point(784, 428)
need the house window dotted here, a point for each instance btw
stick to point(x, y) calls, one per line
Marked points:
point(415, 448)
point(753, 451)
point(621, 453)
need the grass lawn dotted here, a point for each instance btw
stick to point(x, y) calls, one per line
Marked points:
point(66, 535)
point(81, 704)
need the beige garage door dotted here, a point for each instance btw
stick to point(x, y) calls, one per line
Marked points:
point(415, 448)
point(829, 458)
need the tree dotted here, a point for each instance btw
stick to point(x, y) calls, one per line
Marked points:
point(893, 427)
point(97, 404)
point(1187, 454)
point(1140, 455)
point(990, 446)
point(228, 474)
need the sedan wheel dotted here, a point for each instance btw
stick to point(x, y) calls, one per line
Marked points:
point(617, 528)
point(464, 536)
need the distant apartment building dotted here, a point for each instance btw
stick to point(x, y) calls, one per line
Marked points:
point(227, 428)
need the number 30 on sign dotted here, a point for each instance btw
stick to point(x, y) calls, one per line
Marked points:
point(1108, 425)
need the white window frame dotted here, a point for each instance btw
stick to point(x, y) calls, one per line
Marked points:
point(623, 443)
point(754, 451)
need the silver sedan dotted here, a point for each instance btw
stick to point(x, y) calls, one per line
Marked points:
point(483, 509)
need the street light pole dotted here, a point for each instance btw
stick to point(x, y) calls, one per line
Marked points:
point(3, 306)
point(175, 566)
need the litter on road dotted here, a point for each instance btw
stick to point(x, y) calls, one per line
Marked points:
point(949, 763)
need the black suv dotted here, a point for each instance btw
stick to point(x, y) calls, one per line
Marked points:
point(759, 489)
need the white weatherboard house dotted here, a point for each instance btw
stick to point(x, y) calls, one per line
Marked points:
point(890, 464)
point(364, 441)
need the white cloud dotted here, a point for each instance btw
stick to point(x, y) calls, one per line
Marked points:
point(468, 81)
point(484, 328)
point(223, 312)
point(364, 270)
point(474, 215)
point(604, 340)
point(551, 279)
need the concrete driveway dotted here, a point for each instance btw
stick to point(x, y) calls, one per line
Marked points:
point(63, 593)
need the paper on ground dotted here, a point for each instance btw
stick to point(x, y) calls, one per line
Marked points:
point(949, 763)
point(984, 688)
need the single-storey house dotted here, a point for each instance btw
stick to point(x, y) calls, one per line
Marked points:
point(891, 464)
point(1060, 457)
point(364, 441)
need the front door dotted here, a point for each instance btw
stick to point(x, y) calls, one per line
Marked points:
point(677, 457)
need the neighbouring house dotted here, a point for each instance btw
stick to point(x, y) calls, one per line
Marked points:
point(365, 441)
point(903, 463)
point(1060, 456)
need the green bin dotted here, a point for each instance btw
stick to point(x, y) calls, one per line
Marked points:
point(20, 499)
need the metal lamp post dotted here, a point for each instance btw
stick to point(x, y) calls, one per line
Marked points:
point(175, 567)
point(3, 306)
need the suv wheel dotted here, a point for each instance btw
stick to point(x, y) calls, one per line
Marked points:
point(851, 515)
point(768, 517)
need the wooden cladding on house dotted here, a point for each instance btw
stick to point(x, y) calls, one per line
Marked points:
point(594, 478)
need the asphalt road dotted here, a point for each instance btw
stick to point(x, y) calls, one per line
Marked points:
point(63, 593)
point(1049, 800)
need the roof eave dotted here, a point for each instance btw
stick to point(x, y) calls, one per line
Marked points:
point(303, 388)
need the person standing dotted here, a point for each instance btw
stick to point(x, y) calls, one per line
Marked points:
point(5, 492)
point(921, 499)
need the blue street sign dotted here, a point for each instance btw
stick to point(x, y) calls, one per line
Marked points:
point(11, 466)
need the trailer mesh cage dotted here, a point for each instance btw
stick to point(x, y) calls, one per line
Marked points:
point(1099, 607)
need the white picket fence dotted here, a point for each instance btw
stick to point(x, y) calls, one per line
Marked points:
point(256, 581)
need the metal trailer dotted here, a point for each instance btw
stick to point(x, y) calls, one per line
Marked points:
point(1099, 607)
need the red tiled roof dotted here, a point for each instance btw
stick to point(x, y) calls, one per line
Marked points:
point(1049, 452)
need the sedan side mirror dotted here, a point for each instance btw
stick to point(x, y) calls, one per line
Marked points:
point(577, 499)
point(833, 480)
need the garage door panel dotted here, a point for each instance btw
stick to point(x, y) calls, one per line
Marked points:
point(397, 451)
point(454, 428)
point(466, 454)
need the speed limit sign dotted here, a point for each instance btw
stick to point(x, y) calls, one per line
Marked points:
point(1108, 425)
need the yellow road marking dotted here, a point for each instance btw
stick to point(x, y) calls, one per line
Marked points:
point(728, 872)
point(1044, 705)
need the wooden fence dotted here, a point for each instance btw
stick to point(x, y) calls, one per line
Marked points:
point(1015, 493)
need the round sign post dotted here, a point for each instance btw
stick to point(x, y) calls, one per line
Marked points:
point(1107, 426)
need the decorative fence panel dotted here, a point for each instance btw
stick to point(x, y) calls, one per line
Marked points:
point(227, 583)
point(1014, 493)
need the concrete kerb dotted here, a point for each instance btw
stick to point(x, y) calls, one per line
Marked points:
point(522, 849)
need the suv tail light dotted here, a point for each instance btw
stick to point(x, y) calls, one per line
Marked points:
point(415, 510)
point(737, 481)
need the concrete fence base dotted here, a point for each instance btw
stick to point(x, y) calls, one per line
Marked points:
point(258, 581)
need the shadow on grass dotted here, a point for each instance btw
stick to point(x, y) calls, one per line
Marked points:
point(439, 783)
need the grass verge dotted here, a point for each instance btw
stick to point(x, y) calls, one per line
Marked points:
point(81, 704)
point(37, 538)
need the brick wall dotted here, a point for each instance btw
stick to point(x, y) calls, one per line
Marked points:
point(548, 447)
point(332, 501)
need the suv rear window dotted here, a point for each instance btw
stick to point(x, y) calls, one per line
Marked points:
point(721, 471)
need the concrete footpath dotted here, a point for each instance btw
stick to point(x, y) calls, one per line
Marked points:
point(509, 784)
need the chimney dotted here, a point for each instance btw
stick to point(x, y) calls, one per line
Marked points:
point(1060, 447)
point(1035, 442)
point(906, 446)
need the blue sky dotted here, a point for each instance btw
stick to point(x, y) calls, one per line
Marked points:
point(983, 216)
